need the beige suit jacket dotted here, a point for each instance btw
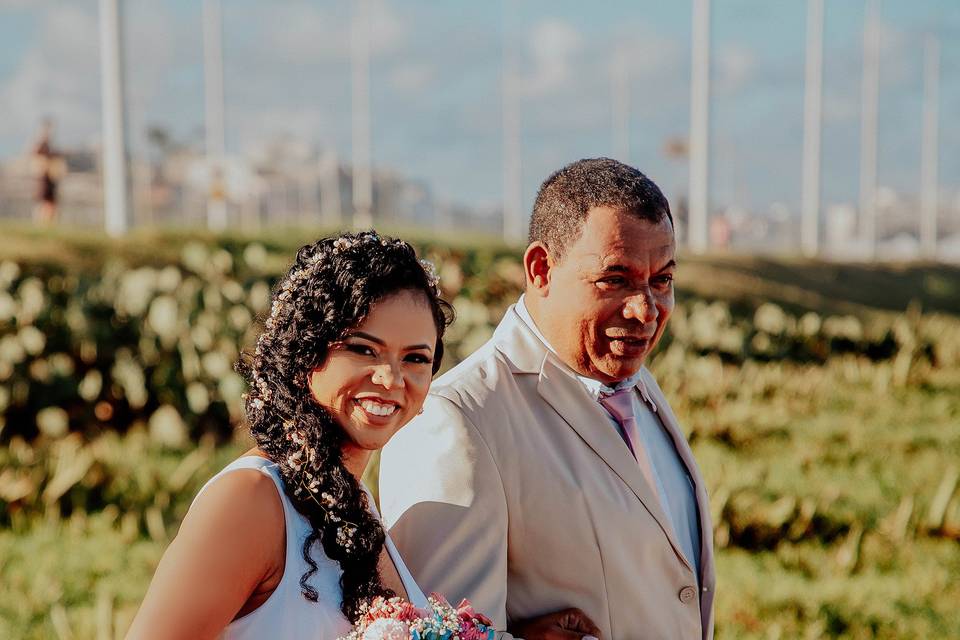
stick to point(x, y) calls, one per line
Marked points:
point(513, 490)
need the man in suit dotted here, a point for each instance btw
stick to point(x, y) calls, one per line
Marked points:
point(547, 469)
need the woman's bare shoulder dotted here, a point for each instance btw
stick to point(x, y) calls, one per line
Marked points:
point(244, 502)
point(230, 544)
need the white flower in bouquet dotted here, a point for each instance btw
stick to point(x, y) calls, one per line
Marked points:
point(387, 629)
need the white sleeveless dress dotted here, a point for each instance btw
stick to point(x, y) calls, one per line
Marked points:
point(286, 613)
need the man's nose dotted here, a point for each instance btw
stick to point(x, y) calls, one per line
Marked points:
point(387, 376)
point(642, 307)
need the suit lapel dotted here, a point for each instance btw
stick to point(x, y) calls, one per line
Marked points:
point(559, 387)
point(562, 391)
point(672, 426)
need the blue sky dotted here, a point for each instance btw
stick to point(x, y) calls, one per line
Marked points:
point(435, 84)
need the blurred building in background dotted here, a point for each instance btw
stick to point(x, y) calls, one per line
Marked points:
point(806, 128)
point(283, 182)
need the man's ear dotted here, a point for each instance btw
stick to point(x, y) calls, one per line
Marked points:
point(536, 268)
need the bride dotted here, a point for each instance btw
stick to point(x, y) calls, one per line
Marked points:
point(285, 542)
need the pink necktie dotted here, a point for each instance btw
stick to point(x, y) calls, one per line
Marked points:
point(620, 406)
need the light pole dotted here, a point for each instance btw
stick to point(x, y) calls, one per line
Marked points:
point(510, 113)
point(115, 179)
point(620, 117)
point(214, 114)
point(930, 149)
point(699, 126)
point(360, 67)
point(812, 123)
point(870, 97)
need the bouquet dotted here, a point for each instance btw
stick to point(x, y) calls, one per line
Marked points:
point(397, 619)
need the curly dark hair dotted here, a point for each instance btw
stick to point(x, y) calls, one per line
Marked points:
point(565, 198)
point(328, 291)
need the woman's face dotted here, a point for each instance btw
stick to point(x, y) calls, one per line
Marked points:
point(376, 379)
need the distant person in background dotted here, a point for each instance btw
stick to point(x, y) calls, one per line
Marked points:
point(48, 167)
point(548, 469)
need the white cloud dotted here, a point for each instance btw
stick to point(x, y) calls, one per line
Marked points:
point(413, 76)
point(900, 56)
point(150, 41)
point(735, 66)
point(647, 53)
point(301, 32)
point(257, 126)
point(554, 45)
point(388, 29)
point(60, 74)
point(841, 108)
point(59, 77)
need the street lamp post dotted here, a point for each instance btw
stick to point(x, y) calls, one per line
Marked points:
point(510, 114)
point(115, 178)
point(870, 97)
point(812, 122)
point(214, 114)
point(930, 151)
point(360, 68)
point(699, 127)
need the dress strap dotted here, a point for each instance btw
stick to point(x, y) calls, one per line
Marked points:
point(414, 592)
point(246, 462)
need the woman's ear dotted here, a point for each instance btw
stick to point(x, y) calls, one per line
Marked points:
point(536, 267)
point(311, 383)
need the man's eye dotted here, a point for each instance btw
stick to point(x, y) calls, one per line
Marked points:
point(615, 281)
point(360, 349)
point(663, 280)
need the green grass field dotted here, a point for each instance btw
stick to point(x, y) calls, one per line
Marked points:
point(830, 441)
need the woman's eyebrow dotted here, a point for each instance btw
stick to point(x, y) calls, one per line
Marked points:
point(365, 336)
point(376, 340)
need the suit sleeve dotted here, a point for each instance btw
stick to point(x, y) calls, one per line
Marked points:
point(443, 502)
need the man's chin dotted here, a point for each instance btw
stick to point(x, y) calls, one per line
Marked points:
point(618, 368)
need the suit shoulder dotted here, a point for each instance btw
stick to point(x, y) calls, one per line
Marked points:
point(474, 371)
point(478, 385)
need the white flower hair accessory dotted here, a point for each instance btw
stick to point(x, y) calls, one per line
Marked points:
point(302, 461)
point(433, 278)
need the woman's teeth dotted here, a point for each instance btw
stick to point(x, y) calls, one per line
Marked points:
point(378, 408)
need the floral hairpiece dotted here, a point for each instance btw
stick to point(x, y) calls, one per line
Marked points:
point(303, 462)
point(433, 278)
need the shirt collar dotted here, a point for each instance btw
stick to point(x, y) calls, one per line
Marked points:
point(593, 387)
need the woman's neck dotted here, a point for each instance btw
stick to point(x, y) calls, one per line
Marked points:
point(355, 460)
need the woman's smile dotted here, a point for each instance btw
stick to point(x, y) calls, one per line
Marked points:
point(377, 409)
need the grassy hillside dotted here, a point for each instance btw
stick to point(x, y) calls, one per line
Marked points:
point(822, 402)
point(796, 284)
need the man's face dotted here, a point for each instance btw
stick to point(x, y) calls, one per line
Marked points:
point(608, 300)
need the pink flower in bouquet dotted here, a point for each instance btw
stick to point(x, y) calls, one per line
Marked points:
point(394, 609)
point(468, 615)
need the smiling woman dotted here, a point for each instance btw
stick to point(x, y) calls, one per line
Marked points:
point(285, 541)
point(375, 380)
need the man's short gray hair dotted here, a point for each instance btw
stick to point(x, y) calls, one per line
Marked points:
point(564, 199)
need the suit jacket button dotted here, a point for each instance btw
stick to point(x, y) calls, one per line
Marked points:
point(687, 594)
